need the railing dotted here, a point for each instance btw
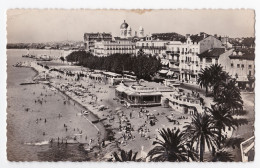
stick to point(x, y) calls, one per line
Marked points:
point(152, 47)
point(250, 144)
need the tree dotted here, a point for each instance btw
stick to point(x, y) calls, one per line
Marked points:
point(222, 156)
point(144, 67)
point(204, 78)
point(218, 76)
point(222, 118)
point(125, 156)
point(229, 95)
point(202, 131)
point(212, 76)
point(172, 148)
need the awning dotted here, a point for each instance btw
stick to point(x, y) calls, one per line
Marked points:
point(170, 73)
point(163, 71)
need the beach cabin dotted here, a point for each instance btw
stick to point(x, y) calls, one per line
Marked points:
point(97, 76)
point(112, 77)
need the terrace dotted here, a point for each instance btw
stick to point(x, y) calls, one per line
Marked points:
point(185, 102)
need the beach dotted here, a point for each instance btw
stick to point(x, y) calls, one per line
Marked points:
point(59, 101)
point(33, 119)
point(96, 94)
point(64, 112)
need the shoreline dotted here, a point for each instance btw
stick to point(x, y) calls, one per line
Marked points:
point(70, 98)
point(104, 132)
point(82, 106)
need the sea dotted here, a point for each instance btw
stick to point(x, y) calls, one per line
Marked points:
point(36, 114)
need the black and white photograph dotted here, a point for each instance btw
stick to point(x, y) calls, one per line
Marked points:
point(140, 85)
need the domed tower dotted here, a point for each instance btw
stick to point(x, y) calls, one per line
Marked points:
point(123, 29)
point(129, 31)
point(141, 32)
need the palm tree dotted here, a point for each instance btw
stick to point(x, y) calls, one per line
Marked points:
point(172, 148)
point(125, 156)
point(202, 131)
point(229, 95)
point(218, 77)
point(204, 78)
point(222, 156)
point(222, 118)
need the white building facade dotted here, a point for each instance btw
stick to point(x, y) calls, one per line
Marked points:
point(184, 57)
point(152, 47)
point(106, 48)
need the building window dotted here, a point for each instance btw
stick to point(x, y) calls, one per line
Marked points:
point(242, 66)
point(232, 65)
point(238, 65)
point(249, 66)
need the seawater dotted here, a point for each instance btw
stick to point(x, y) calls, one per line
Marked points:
point(28, 134)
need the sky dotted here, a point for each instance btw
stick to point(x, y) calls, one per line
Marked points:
point(58, 25)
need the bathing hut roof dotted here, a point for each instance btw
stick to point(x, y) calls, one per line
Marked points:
point(111, 74)
point(151, 94)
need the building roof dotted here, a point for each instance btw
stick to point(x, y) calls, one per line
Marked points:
point(215, 52)
point(246, 54)
point(244, 57)
point(112, 74)
point(198, 37)
point(123, 39)
point(94, 36)
point(169, 36)
point(98, 34)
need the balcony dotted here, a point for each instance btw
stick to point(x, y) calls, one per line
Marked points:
point(152, 47)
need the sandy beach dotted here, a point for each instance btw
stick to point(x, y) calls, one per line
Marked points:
point(42, 116)
point(97, 94)
point(80, 103)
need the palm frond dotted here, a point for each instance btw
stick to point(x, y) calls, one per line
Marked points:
point(233, 142)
